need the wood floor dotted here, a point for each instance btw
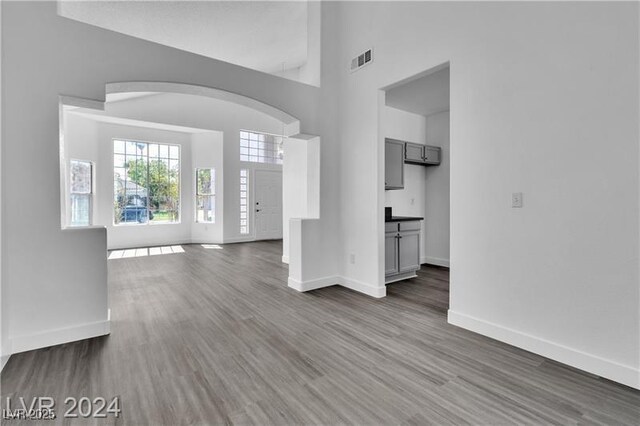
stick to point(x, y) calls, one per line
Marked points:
point(214, 336)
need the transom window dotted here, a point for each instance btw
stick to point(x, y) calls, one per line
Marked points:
point(81, 193)
point(260, 148)
point(146, 182)
point(206, 195)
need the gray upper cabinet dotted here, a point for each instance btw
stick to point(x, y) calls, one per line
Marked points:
point(432, 154)
point(422, 154)
point(413, 152)
point(393, 164)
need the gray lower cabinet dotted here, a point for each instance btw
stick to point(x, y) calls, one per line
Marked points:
point(393, 164)
point(402, 250)
point(390, 253)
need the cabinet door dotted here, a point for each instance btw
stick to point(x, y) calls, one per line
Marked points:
point(413, 152)
point(390, 254)
point(393, 164)
point(432, 155)
point(408, 251)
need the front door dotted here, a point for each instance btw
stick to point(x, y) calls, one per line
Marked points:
point(268, 204)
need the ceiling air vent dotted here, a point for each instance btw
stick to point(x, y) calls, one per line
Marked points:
point(361, 60)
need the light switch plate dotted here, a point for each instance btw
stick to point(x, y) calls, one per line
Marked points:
point(516, 200)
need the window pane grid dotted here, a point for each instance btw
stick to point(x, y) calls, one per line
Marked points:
point(205, 195)
point(260, 148)
point(244, 200)
point(81, 191)
point(146, 182)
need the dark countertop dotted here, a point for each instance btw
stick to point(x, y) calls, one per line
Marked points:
point(402, 218)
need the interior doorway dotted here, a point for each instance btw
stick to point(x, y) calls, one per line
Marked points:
point(415, 130)
point(268, 204)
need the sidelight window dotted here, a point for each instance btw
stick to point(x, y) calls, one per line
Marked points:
point(206, 195)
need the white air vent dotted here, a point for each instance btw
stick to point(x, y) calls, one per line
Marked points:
point(361, 60)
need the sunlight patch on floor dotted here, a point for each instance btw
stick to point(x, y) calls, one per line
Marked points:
point(145, 251)
point(211, 246)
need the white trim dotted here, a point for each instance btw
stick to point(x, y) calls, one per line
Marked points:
point(362, 287)
point(434, 261)
point(72, 102)
point(60, 335)
point(285, 259)
point(358, 286)
point(247, 239)
point(602, 367)
point(313, 284)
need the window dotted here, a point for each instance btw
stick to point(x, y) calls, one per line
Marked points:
point(244, 201)
point(81, 193)
point(260, 148)
point(205, 195)
point(146, 181)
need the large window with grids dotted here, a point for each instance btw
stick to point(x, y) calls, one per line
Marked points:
point(244, 201)
point(146, 181)
point(260, 148)
point(81, 193)
point(206, 195)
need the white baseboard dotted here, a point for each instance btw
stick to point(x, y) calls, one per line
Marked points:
point(368, 289)
point(602, 367)
point(238, 240)
point(59, 336)
point(313, 284)
point(434, 261)
point(285, 259)
point(358, 286)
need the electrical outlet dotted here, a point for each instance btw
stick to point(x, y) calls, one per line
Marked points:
point(413, 201)
point(352, 258)
point(516, 200)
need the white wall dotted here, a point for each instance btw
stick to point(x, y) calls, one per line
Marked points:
point(550, 111)
point(301, 184)
point(437, 188)
point(55, 280)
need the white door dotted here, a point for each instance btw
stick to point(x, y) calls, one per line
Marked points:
point(268, 204)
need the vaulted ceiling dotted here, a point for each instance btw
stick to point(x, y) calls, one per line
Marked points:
point(269, 36)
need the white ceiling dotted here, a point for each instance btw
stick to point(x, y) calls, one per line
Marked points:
point(425, 95)
point(262, 35)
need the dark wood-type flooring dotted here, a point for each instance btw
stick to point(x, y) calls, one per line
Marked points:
point(214, 336)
